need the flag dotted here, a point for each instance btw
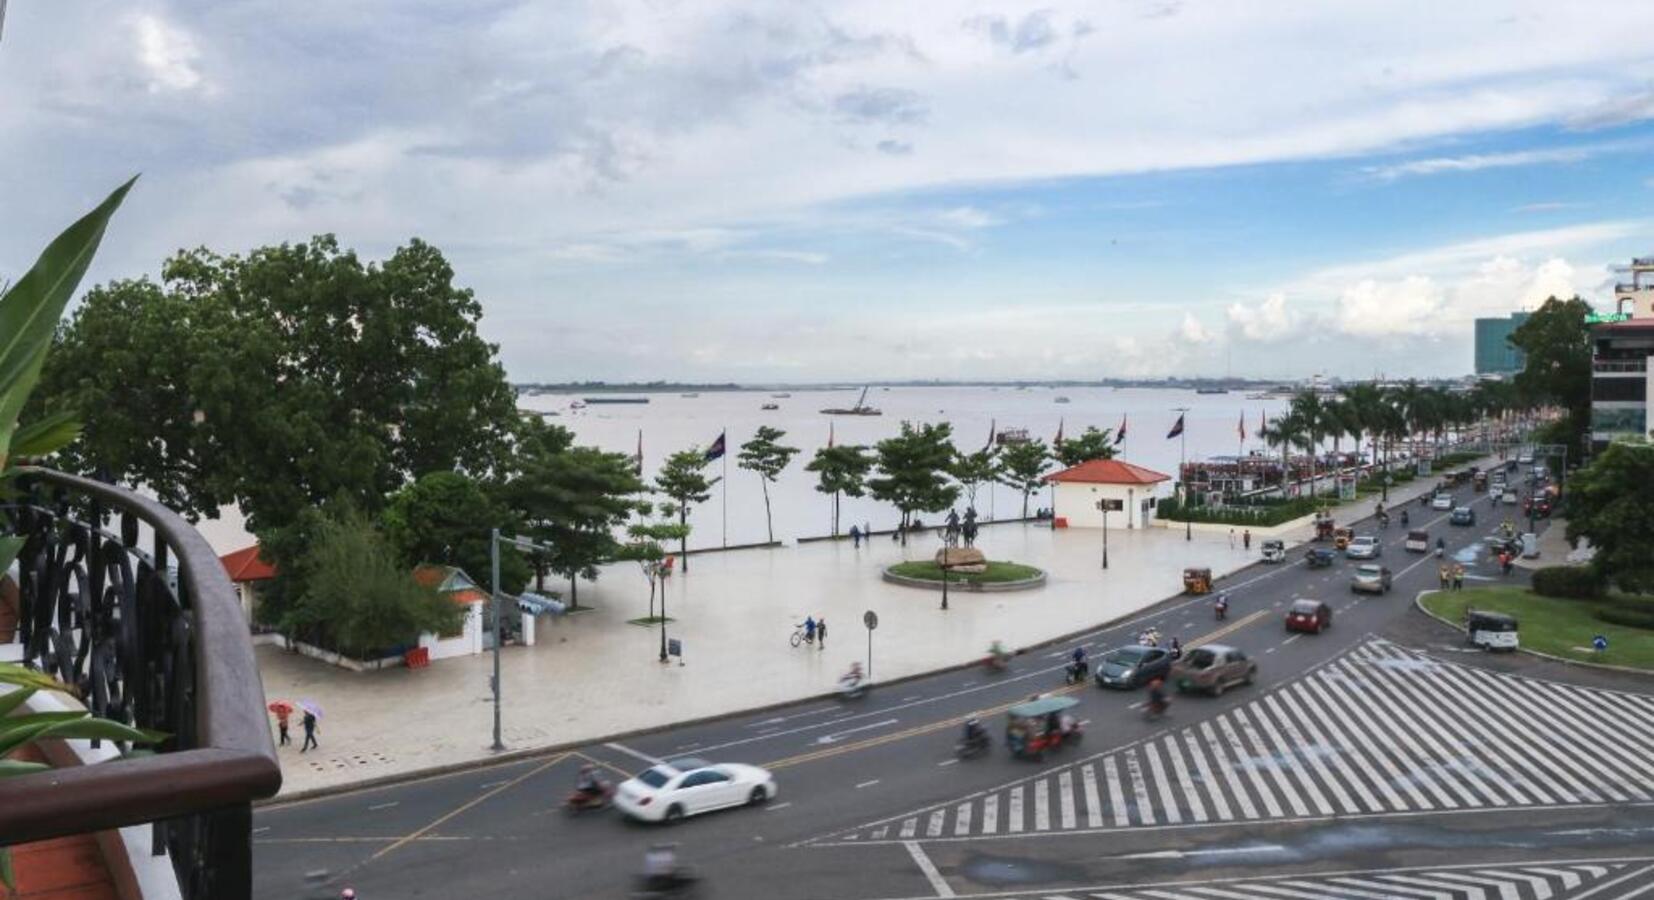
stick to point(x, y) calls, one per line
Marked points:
point(637, 461)
point(1263, 421)
point(1176, 429)
point(716, 451)
point(993, 429)
point(829, 435)
point(1058, 439)
point(1243, 426)
point(1121, 434)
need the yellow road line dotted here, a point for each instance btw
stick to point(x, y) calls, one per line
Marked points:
point(841, 749)
point(401, 842)
point(598, 762)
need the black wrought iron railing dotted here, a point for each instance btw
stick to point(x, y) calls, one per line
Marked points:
point(124, 600)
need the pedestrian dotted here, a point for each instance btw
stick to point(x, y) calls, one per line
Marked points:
point(867, 530)
point(282, 712)
point(1246, 539)
point(809, 629)
point(309, 732)
point(1231, 539)
point(821, 633)
point(855, 536)
point(1442, 573)
point(1458, 576)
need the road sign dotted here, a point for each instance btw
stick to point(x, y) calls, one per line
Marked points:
point(1108, 505)
point(870, 619)
point(674, 647)
point(1600, 643)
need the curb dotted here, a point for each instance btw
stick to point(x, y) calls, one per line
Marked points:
point(1418, 602)
point(992, 587)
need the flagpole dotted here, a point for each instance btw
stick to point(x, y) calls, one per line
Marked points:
point(725, 480)
point(1182, 461)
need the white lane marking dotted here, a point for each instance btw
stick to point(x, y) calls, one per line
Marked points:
point(1270, 650)
point(867, 784)
point(385, 805)
point(775, 806)
point(261, 830)
point(1184, 854)
point(835, 736)
point(492, 784)
point(912, 698)
point(947, 762)
point(622, 748)
point(928, 868)
point(1291, 639)
point(690, 746)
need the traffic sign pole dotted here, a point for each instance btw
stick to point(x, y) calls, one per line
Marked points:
point(871, 620)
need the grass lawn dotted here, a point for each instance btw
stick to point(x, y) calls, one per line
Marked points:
point(997, 572)
point(649, 620)
point(1551, 625)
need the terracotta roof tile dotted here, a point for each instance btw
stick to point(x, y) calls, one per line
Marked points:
point(1108, 471)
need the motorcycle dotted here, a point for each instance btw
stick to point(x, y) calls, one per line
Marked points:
point(581, 801)
point(1075, 672)
point(972, 746)
point(1221, 610)
point(1155, 709)
point(851, 687)
point(997, 662)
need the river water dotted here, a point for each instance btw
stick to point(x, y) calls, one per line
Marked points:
point(670, 422)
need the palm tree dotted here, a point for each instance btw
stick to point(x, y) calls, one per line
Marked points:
point(1282, 433)
point(1362, 402)
point(1308, 407)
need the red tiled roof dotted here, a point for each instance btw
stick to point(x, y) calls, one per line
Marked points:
point(1108, 471)
point(434, 576)
point(246, 565)
point(468, 595)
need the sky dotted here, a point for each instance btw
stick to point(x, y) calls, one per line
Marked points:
point(793, 191)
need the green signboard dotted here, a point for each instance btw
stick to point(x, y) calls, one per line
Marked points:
point(1604, 318)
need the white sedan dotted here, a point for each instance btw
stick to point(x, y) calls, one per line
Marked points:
point(1442, 501)
point(672, 790)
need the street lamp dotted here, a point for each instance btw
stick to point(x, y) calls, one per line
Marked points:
point(494, 543)
point(1182, 461)
point(944, 565)
point(1103, 506)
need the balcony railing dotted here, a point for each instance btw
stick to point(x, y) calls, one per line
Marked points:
point(1620, 365)
point(124, 600)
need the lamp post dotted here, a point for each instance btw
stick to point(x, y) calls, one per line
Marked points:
point(944, 565)
point(1103, 506)
point(1182, 461)
point(494, 542)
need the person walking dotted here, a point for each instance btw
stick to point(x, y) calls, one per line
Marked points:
point(309, 732)
point(855, 536)
point(1231, 539)
point(1246, 539)
point(1458, 576)
point(821, 633)
point(1443, 574)
point(282, 712)
point(867, 532)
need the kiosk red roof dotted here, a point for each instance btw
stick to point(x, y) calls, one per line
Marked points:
point(1108, 471)
point(246, 565)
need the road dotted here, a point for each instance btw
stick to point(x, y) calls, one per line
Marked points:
point(1374, 760)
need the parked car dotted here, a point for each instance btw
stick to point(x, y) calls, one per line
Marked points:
point(1213, 668)
point(673, 790)
point(1308, 615)
point(1274, 550)
point(1370, 578)
point(1462, 515)
point(1442, 501)
point(1132, 667)
point(1364, 547)
point(1418, 541)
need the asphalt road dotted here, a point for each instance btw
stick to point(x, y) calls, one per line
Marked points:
point(873, 805)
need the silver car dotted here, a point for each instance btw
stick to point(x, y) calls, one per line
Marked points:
point(1370, 578)
point(1364, 547)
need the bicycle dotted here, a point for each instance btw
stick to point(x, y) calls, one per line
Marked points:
point(799, 637)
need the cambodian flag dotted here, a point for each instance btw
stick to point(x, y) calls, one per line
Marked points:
point(1121, 434)
point(716, 451)
point(1176, 429)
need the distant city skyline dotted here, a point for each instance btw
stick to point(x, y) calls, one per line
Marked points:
point(778, 192)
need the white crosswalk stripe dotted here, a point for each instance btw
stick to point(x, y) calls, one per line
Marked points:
point(1380, 730)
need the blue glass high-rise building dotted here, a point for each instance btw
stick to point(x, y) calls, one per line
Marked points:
point(1495, 355)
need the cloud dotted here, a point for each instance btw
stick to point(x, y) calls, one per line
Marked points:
point(1267, 321)
point(886, 105)
point(1480, 161)
point(968, 217)
point(1033, 31)
point(167, 54)
point(1194, 332)
point(893, 147)
point(1547, 206)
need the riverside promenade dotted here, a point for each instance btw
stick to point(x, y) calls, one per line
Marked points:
point(593, 675)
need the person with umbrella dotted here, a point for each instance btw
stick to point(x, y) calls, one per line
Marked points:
point(283, 709)
point(312, 713)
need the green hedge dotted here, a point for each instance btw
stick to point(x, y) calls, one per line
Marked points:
point(1568, 582)
point(1262, 514)
point(1629, 614)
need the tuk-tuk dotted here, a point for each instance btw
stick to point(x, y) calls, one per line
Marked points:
point(1480, 482)
point(1341, 537)
point(1320, 558)
point(1197, 581)
point(1274, 551)
point(1323, 527)
point(1033, 727)
point(1418, 541)
point(1490, 630)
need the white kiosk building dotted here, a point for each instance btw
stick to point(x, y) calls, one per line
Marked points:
point(1134, 490)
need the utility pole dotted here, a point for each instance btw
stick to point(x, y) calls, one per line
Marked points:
point(494, 541)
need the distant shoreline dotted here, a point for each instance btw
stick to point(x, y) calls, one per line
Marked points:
point(1233, 384)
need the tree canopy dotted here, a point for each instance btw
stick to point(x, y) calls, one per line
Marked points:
point(1022, 466)
point(282, 378)
point(767, 456)
point(972, 470)
point(1556, 344)
point(682, 478)
point(1091, 444)
point(913, 469)
point(1611, 503)
point(841, 470)
point(447, 518)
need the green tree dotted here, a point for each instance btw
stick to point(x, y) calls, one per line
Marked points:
point(682, 478)
point(1090, 445)
point(767, 456)
point(1611, 503)
point(357, 596)
point(1556, 345)
point(841, 470)
point(646, 545)
point(572, 499)
point(1311, 413)
point(972, 470)
point(1022, 466)
point(281, 378)
point(447, 518)
point(913, 469)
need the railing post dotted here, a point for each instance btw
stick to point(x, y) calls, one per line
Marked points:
point(229, 853)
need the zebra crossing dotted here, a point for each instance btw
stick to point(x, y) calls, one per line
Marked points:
point(1521, 881)
point(1379, 730)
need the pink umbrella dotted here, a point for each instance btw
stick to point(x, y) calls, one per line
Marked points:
point(312, 707)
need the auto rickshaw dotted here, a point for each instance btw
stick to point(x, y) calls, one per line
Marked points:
point(1197, 581)
point(1274, 550)
point(1341, 537)
point(1323, 526)
point(1036, 726)
point(1479, 480)
point(1490, 630)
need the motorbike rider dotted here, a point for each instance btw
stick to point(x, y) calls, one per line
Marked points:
point(1176, 649)
point(1221, 605)
point(661, 871)
point(588, 784)
point(1404, 518)
point(852, 677)
point(1441, 546)
point(974, 732)
point(1157, 696)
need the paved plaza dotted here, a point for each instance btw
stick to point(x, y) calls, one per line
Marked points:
point(593, 674)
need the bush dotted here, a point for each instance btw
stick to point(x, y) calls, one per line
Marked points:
point(1631, 615)
point(1262, 514)
point(1571, 582)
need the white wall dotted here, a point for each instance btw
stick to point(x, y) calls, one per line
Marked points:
point(1078, 503)
point(468, 643)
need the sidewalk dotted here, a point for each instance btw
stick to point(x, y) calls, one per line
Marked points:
point(592, 674)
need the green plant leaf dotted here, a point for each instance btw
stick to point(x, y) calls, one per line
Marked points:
point(13, 700)
point(30, 309)
point(46, 436)
point(9, 548)
point(12, 673)
point(17, 731)
point(6, 877)
point(13, 767)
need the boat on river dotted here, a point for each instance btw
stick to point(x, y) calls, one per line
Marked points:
point(860, 409)
point(593, 401)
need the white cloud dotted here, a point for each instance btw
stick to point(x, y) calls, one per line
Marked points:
point(1267, 321)
point(1194, 332)
point(1479, 161)
point(968, 217)
point(167, 53)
